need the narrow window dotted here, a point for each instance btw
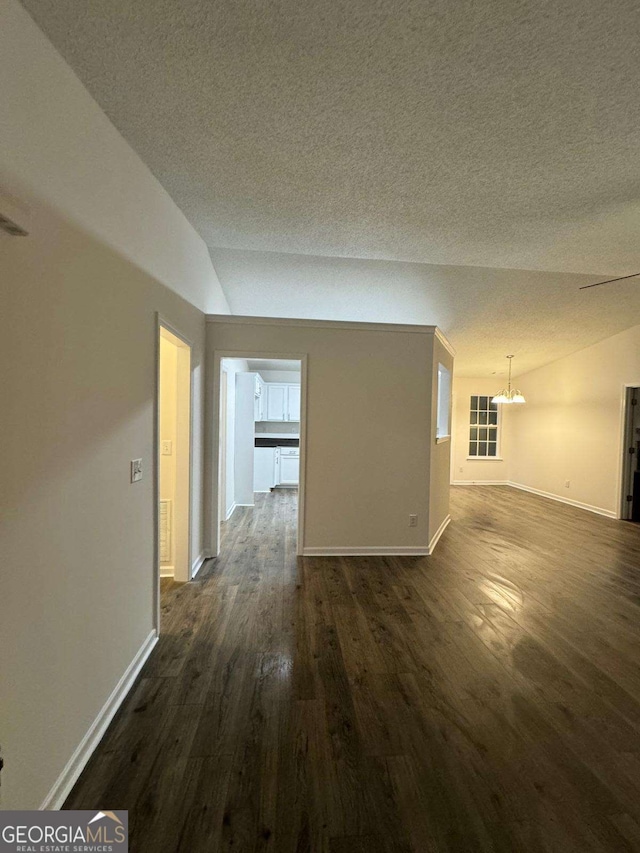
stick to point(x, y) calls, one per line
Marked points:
point(443, 422)
point(483, 427)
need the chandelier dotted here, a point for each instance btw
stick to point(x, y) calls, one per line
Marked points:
point(508, 395)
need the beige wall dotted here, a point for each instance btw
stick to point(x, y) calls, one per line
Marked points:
point(368, 427)
point(571, 426)
point(78, 351)
point(78, 297)
point(463, 469)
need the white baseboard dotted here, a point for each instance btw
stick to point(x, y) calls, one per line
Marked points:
point(598, 510)
point(167, 571)
point(199, 563)
point(76, 764)
point(230, 511)
point(381, 550)
point(365, 551)
point(560, 498)
point(436, 536)
point(480, 483)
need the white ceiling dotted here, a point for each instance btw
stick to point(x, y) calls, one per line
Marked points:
point(280, 364)
point(500, 134)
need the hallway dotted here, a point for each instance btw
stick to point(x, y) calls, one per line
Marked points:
point(485, 698)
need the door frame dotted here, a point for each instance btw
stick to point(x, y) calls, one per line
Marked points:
point(625, 458)
point(222, 455)
point(218, 355)
point(163, 323)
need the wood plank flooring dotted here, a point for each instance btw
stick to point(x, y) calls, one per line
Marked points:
point(484, 699)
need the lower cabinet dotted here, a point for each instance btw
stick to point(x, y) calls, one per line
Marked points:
point(289, 468)
point(275, 466)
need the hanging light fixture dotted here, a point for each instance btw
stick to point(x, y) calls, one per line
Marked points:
point(507, 395)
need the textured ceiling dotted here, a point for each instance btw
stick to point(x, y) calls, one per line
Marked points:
point(486, 313)
point(499, 134)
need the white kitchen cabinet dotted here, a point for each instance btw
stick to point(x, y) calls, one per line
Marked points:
point(282, 402)
point(293, 403)
point(276, 402)
point(264, 469)
point(288, 470)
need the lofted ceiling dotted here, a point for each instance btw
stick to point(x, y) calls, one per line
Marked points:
point(486, 313)
point(490, 149)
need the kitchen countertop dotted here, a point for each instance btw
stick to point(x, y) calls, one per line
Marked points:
point(270, 441)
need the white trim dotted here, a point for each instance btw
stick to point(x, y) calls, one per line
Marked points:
point(598, 510)
point(162, 322)
point(480, 483)
point(230, 511)
point(239, 319)
point(167, 571)
point(198, 564)
point(81, 755)
point(436, 536)
point(623, 455)
point(485, 458)
point(366, 551)
point(439, 334)
point(212, 459)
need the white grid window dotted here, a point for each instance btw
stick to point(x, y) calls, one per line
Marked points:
point(484, 427)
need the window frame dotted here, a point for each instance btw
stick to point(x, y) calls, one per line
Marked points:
point(442, 372)
point(477, 425)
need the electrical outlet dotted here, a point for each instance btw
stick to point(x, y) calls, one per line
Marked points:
point(167, 448)
point(567, 484)
point(413, 521)
point(461, 470)
point(136, 470)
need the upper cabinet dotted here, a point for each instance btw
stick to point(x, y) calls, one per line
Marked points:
point(281, 402)
point(293, 403)
point(276, 402)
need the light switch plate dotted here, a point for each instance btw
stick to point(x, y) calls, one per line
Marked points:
point(167, 448)
point(136, 470)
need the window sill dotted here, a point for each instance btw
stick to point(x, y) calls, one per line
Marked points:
point(485, 459)
point(443, 438)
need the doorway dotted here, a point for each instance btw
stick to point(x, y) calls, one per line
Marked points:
point(630, 504)
point(174, 456)
point(261, 432)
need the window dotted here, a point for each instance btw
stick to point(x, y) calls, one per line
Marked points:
point(443, 422)
point(483, 428)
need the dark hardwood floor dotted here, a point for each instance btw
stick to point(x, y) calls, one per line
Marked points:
point(483, 699)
